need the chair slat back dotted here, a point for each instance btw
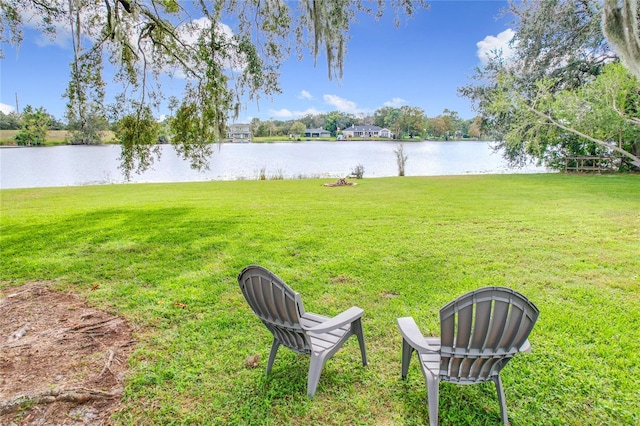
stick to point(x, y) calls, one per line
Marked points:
point(481, 331)
point(276, 304)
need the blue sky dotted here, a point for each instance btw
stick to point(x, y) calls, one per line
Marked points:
point(420, 64)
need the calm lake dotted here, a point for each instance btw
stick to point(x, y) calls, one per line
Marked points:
point(95, 165)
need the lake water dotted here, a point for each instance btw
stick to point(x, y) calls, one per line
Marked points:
point(94, 165)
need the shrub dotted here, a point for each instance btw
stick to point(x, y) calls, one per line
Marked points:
point(358, 171)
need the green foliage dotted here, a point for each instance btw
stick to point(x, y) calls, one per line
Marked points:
point(171, 6)
point(404, 122)
point(562, 40)
point(55, 124)
point(390, 118)
point(552, 100)
point(86, 88)
point(598, 119)
point(35, 123)
point(412, 121)
point(297, 128)
point(447, 125)
point(318, 120)
point(138, 135)
point(395, 247)
point(475, 128)
point(192, 135)
point(88, 129)
point(11, 121)
point(607, 109)
point(337, 120)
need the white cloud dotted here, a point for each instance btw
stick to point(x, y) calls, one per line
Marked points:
point(61, 38)
point(6, 109)
point(395, 103)
point(285, 113)
point(343, 105)
point(32, 18)
point(305, 95)
point(281, 113)
point(189, 33)
point(492, 45)
point(308, 111)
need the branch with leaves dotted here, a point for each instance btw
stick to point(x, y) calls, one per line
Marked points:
point(222, 67)
point(547, 118)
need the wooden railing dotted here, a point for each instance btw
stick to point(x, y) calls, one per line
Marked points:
point(587, 163)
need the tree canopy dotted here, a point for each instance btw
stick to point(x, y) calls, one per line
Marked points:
point(35, 123)
point(564, 93)
point(223, 64)
point(404, 122)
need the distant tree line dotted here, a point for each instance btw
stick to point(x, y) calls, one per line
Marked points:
point(405, 122)
point(34, 123)
point(13, 120)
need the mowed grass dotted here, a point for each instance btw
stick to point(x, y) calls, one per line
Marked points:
point(54, 137)
point(393, 246)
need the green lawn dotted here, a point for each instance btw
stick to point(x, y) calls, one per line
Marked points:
point(54, 137)
point(393, 246)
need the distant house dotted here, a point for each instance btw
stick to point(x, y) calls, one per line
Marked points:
point(239, 132)
point(385, 133)
point(366, 132)
point(317, 133)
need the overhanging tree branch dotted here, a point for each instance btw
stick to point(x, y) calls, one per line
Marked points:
point(634, 160)
point(632, 120)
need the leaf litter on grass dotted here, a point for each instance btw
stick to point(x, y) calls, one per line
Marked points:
point(61, 361)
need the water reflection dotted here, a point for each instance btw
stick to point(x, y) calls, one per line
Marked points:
point(90, 165)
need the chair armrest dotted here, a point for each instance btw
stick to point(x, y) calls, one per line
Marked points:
point(346, 317)
point(412, 335)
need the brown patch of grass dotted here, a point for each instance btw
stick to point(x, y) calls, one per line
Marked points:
point(340, 279)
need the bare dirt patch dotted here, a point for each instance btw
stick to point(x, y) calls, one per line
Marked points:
point(62, 362)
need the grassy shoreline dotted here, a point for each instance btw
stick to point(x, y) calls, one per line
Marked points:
point(393, 246)
point(53, 138)
point(61, 137)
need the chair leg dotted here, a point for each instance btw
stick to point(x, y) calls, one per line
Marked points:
point(407, 350)
point(272, 355)
point(501, 400)
point(357, 330)
point(433, 383)
point(315, 369)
